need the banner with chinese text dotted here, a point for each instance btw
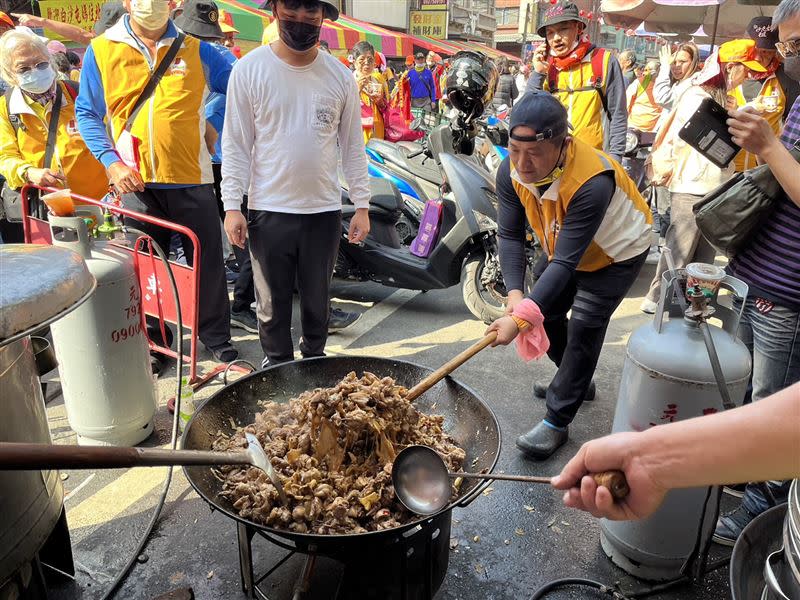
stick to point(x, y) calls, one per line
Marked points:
point(430, 23)
point(433, 5)
point(83, 13)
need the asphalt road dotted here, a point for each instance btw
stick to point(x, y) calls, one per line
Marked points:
point(509, 542)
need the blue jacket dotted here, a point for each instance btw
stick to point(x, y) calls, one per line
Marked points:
point(422, 84)
point(215, 107)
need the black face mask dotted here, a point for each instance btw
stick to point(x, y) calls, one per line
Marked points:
point(791, 66)
point(299, 36)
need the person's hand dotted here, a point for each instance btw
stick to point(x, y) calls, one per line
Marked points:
point(45, 177)
point(540, 63)
point(750, 130)
point(506, 329)
point(359, 226)
point(514, 298)
point(236, 227)
point(125, 179)
point(29, 20)
point(613, 452)
point(665, 57)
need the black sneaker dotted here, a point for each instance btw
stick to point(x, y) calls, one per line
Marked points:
point(341, 319)
point(730, 526)
point(225, 353)
point(244, 319)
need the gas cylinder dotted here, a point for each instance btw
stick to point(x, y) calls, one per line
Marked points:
point(102, 352)
point(668, 377)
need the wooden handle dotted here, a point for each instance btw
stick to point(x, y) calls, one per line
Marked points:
point(615, 482)
point(23, 457)
point(450, 366)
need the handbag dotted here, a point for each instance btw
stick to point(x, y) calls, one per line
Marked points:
point(367, 117)
point(730, 215)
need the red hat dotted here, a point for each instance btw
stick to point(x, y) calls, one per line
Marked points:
point(6, 20)
point(409, 60)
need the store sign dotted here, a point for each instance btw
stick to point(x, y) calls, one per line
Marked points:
point(430, 23)
point(83, 13)
point(433, 4)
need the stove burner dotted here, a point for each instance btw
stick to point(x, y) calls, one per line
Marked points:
point(408, 566)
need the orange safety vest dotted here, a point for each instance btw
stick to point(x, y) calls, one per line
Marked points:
point(744, 160)
point(625, 230)
point(582, 90)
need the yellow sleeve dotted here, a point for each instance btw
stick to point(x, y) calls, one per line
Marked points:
point(12, 163)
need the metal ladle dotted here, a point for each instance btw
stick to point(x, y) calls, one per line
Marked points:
point(422, 482)
point(29, 457)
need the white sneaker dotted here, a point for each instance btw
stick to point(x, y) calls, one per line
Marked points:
point(648, 306)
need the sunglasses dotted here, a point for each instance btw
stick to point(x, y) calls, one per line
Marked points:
point(788, 49)
point(39, 67)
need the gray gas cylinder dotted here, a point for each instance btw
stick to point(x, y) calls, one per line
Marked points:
point(667, 376)
point(39, 285)
point(101, 347)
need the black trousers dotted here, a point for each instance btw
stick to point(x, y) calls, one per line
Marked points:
point(195, 208)
point(575, 343)
point(287, 247)
point(244, 293)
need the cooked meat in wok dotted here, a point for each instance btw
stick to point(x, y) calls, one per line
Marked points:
point(333, 449)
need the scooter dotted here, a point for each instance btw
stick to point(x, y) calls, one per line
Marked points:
point(637, 149)
point(466, 249)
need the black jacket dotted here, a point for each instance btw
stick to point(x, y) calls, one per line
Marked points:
point(506, 91)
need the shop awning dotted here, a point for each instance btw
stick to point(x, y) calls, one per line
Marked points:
point(390, 43)
point(440, 46)
point(247, 18)
point(492, 53)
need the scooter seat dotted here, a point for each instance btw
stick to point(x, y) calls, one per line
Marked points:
point(385, 201)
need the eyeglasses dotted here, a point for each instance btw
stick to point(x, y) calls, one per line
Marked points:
point(39, 67)
point(788, 49)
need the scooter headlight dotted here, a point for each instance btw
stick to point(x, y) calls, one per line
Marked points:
point(484, 223)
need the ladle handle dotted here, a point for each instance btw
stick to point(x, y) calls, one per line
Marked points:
point(613, 480)
point(450, 366)
point(22, 457)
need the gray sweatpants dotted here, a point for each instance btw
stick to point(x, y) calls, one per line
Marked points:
point(684, 240)
point(286, 248)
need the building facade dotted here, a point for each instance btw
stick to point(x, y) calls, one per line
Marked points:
point(393, 14)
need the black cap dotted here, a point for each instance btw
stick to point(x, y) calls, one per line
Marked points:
point(559, 13)
point(110, 13)
point(330, 8)
point(760, 30)
point(200, 18)
point(541, 112)
point(419, 55)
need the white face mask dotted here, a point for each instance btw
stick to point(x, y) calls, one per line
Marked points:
point(37, 81)
point(150, 14)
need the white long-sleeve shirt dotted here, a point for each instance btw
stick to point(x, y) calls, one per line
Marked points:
point(284, 129)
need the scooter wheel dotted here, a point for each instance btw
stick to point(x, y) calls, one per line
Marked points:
point(486, 304)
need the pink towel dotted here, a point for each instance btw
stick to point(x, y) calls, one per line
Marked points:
point(532, 341)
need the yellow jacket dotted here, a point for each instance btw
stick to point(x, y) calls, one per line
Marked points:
point(378, 128)
point(624, 232)
point(584, 106)
point(25, 147)
point(771, 87)
point(170, 126)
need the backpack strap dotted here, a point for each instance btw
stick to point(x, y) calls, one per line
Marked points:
point(598, 77)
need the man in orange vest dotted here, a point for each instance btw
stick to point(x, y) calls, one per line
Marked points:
point(595, 228)
point(643, 110)
point(772, 92)
point(586, 79)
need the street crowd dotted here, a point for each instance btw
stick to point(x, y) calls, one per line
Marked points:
point(163, 93)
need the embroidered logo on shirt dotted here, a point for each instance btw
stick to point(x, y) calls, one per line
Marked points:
point(178, 67)
point(324, 117)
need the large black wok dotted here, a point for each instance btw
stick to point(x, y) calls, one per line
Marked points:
point(467, 419)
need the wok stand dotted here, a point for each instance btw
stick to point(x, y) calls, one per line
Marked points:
point(432, 538)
